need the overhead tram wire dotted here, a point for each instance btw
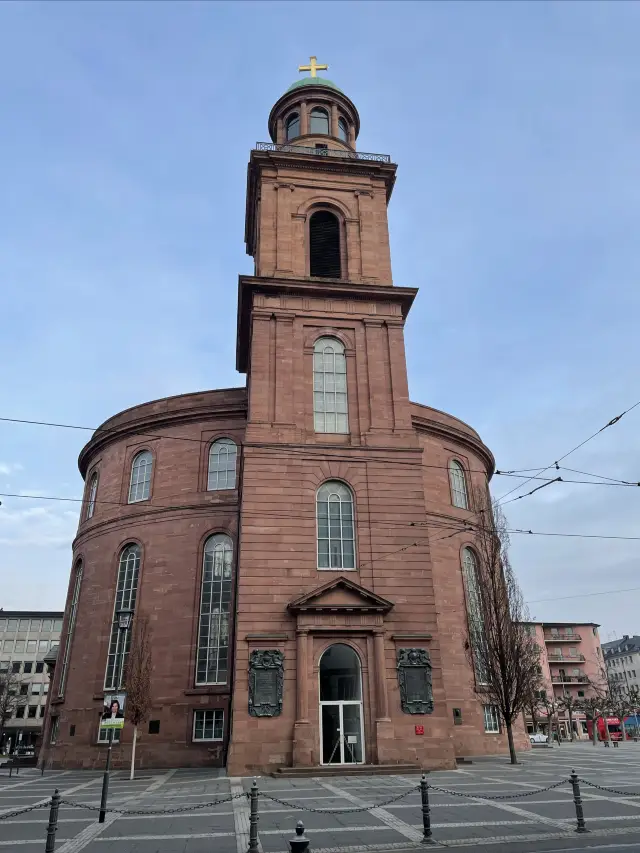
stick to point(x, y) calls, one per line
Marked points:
point(612, 422)
point(585, 595)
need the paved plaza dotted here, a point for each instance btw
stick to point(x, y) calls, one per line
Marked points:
point(541, 821)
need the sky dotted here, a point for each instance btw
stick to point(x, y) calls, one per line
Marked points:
point(125, 132)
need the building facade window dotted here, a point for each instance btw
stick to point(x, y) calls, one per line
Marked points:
point(208, 725)
point(126, 592)
point(93, 491)
point(330, 387)
point(319, 121)
point(491, 719)
point(292, 126)
point(212, 666)
point(458, 483)
point(53, 734)
point(343, 130)
point(474, 611)
point(103, 735)
point(324, 245)
point(71, 627)
point(334, 515)
point(140, 485)
point(222, 465)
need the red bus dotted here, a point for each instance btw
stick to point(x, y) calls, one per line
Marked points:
point(615, 729)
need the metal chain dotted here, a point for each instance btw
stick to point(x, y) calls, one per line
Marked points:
point(341, 811)
point(609, 790)
point(500, 796)
point(24, 811)
point(179, 810)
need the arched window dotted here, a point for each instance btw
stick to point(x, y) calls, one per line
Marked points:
point(292, 126)
point(212, 666)
point(343, 130)
point(329, 386)
point(222, 465)
point(126, 592)
point(71, 624)
point(140, 485)
point(475, 615)
point(324, 245)
point(336, 538)
point(319, 121)
point(93, 491)
point(458, 485)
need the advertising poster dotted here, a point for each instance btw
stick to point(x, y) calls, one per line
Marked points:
point(113, 711)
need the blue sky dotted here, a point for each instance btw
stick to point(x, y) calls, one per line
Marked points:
point(126, 129)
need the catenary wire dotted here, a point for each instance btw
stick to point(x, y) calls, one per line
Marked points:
point(585, 595)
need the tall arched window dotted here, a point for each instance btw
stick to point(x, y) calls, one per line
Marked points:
point(329, 386)
point(458, 485)
point(140, 485)
point(319, 121)
point(71, 624)
point(336, 537)
point(212, 666)
point(324, 245)
point(222, 465)
point(343, 130)
point(475, 615)
point(93, 491)
point(126, 592)
point(292, 126)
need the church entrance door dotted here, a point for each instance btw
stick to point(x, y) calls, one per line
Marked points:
point(341, 718)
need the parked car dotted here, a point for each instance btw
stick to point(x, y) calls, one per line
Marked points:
point(538, 737)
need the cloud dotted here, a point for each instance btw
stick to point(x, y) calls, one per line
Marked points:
point(8, 468)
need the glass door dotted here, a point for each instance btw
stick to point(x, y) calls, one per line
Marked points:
point(342, 733)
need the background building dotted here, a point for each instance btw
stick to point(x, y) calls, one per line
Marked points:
point(572, 664)
point(25, 638)
point(622, 659)
point(300, 546)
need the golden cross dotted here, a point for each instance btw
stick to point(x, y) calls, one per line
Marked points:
point(313, 66)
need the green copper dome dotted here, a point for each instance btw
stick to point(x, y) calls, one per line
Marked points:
point(314, 81)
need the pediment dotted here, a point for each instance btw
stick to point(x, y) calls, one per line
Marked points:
point(342, 595)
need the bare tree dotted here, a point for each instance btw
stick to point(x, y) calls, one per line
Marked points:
point(500, 646)
point(550, 707)
point(137, 680)
point(569, 703)
point(10, 697)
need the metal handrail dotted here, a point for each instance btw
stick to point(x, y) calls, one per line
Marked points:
point(562, 636)
point(340, 153)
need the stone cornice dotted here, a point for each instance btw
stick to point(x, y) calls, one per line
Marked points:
point(444, 430)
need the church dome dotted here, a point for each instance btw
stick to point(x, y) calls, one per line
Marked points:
point(314, 81)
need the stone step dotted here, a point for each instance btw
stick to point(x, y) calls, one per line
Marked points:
point(346, 770)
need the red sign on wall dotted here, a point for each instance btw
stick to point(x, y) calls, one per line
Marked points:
point(419, 730)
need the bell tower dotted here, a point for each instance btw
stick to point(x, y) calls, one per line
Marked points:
point(321, 338)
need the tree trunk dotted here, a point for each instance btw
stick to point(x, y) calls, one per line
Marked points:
point(594, 730)
point(133, 751)
point(624, 730)
point(570, 712)
point(512, 748)
point(606, 729)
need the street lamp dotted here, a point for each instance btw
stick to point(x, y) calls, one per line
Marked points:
point(125, 615)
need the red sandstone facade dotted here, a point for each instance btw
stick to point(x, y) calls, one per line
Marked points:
point(402, 589)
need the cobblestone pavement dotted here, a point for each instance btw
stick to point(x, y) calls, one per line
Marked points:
point(537, 822)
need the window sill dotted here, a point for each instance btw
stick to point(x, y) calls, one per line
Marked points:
point(208, 690)
point(336, 569)
point(208, 740)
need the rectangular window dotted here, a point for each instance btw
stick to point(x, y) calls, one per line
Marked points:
point(3, 624)
point(24, 625)
point(33, 710)
point(12, 625)
point(46, 625)
point(43, 645)
point(4, 666)
point(28, 666)
point(53, 734)
point(24, 689)
point(35, 626)
point(103, 735)
point(36, 689)
point(20, 712)
point(215, 602)
point(330, 411)
point(580, 694)
point(72, 730)
point(19, 647)
point(208, 725)
point(126, 592)
point(39, 666)
point(32, 647)
point(491, 719)
point(70, 629)
point(7, 646)
point(45, 688)
point(15, 666)
point(57, 625)
point(154, 727)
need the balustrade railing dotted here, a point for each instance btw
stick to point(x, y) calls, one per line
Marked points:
point(339, 153)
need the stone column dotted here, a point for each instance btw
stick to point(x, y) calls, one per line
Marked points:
point(381, 680)
point(387, 752)
point(305, 741)
point(279, 131)
point(302, 698)
point(304, 119)
point(334, 120)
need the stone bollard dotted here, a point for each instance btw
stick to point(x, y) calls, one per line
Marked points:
point(426, 811)
point(253, 818)
point(52, 828)
point(577, 799)
point(299, 843)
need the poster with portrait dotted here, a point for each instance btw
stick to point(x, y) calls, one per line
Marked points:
point(113, 711)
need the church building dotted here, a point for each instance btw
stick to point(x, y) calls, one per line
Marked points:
point(296, 545)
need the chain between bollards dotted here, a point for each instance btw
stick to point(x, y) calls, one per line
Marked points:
point(426, 811)
point(577, 799)
point(299, 843)
point(52, 828)
point(253, 818)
